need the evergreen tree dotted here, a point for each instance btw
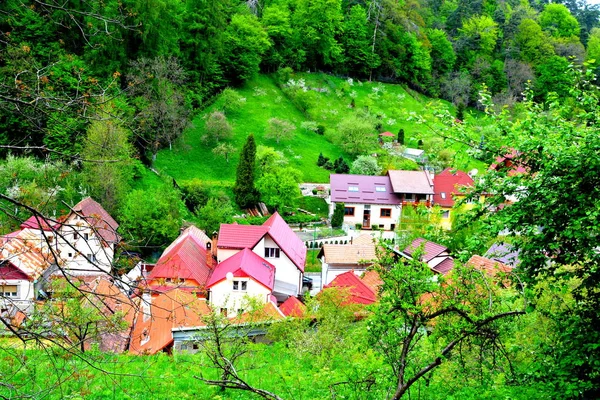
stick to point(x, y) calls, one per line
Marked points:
point(338, 215)
point(322, 160)
point(244, 190)
point(401, 137)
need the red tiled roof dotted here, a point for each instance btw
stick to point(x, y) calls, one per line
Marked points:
point(448, 181)
point(445, 266)
point(40, 223)
point(152, 330)
point(507, 162)
point(232, 236)
point(359, 292)
point(369, 189)
point(491, 267)
point(293, 307)
point(431, 250)
point(98, 218)
point(235, 236)
point(185, 258)
point(245, 263)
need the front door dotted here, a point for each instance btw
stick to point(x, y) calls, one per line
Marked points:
point(367, 219)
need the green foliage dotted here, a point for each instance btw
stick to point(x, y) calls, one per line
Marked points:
point(194, 194)
point(279, 187)
point(214, 213)
point(558, 21)
point(217, 128)
point(355, 135)
point(552, 76)
point(337, 220)
point(246, 195)
point(280, 129)
point(535, 46)
point(151, 218)
point(365, 165)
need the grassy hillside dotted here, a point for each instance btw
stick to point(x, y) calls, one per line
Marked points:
point(330, 104)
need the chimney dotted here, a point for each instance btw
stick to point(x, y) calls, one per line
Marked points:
point(209, 255)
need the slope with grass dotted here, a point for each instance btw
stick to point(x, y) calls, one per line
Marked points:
point(331, 102)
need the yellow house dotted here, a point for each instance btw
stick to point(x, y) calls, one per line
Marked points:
point(446, 186)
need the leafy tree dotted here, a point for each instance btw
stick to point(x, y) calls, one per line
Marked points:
point(269, 160)
point(340, 166)
point(246, 41)
point(355, 135)
point(231, 102)
point(359, 57)
point(365, 165)
point(558, 21)
point(151, 218)
point(214, 213)
point(224, 150)
point(194, 194)
point(593, 48)
point(109, 168)
point(552, 76)
point(463, 310)
point(535, 46)
point(276, 20)
point(478, 37)
point(442, 52)
point(280, 129)
point(279, 187)
point(217, 128)
point(245, 193)
point(401, 137)
point(162, 112)
point(338, 215)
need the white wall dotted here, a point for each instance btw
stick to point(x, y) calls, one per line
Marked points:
point(74, 251)
point(287, 276)
point(25, 293)
point(222, 295)
point(224, 254)
point(328, 272)
point(376, 219)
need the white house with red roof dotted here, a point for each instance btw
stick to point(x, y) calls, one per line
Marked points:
point(447, 187)
point(376, 201)
point(240, 278)
point(276, 243)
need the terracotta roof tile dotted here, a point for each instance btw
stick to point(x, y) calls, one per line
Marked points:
point(448, 181)
point(372, 280)
point(245, 263)
point(359, 292)
point(293, 307)
point(490, 267)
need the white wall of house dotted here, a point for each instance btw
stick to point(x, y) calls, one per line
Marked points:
point(224, 295)
point(224, 254)
point(329, 272)
point(288, 278)
point(81, 248)
point(17, 292)
point(376, 217)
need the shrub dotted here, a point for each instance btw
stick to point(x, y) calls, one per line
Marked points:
point(338, 215)
point(322, 160)
point(320, 129)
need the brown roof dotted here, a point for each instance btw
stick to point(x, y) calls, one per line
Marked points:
point(152, 331)
point(98, 218)
point(411, 182)
point(362, 249)
point(372, 280)
point(430, 249)
point(491, 267)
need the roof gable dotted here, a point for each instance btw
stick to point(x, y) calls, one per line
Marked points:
point(98, 218)
point(185, 258)
point(448, 182)
point(9, 271)
point(430, 249)
point(293, 307)
point(24, 251)
point(245, 263)
point(362, 189)
point(235, 236)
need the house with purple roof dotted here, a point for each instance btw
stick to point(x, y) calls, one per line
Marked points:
point(376, 201)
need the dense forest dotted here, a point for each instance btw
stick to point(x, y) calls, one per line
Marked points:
point(92, 91)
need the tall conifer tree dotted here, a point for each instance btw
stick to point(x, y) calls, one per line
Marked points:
point(246, 194)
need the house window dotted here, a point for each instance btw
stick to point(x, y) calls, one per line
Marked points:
point(380, 188)
point(353, 188)
point(443, 195)
point(70, 255)
point(86, 236)
point(446, 214)
point(271, 252)
point(380, 226)
point(8, 291)
point(385, 213)
point(408, 197)
point(75, 236)
point(349, 211)
point(240, 286)
point(91, 257)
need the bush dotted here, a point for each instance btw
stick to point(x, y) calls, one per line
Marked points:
point(322, 160)
point(320, 129)
point(358, 226)
point(338, 215)
point(328, 165)
point(194, 194)
point(340, 166)
point(283, 75)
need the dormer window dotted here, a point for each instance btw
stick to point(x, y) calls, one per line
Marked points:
point(353, 188)
point(272, 252)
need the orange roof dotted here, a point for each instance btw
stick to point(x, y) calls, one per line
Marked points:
point(269, 312)
point(158, 316)
point(491, 267)
point(359, 292)
point(372, 280)
point(293, 307)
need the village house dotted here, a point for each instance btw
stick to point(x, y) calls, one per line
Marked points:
point(337, 259)
point(435, 255)
point(447, 190)
point(273, 241)
point(375, 202)
point(362, 289)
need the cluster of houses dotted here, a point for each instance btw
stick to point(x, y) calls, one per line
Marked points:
point(165, 304)
point(375, 202)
